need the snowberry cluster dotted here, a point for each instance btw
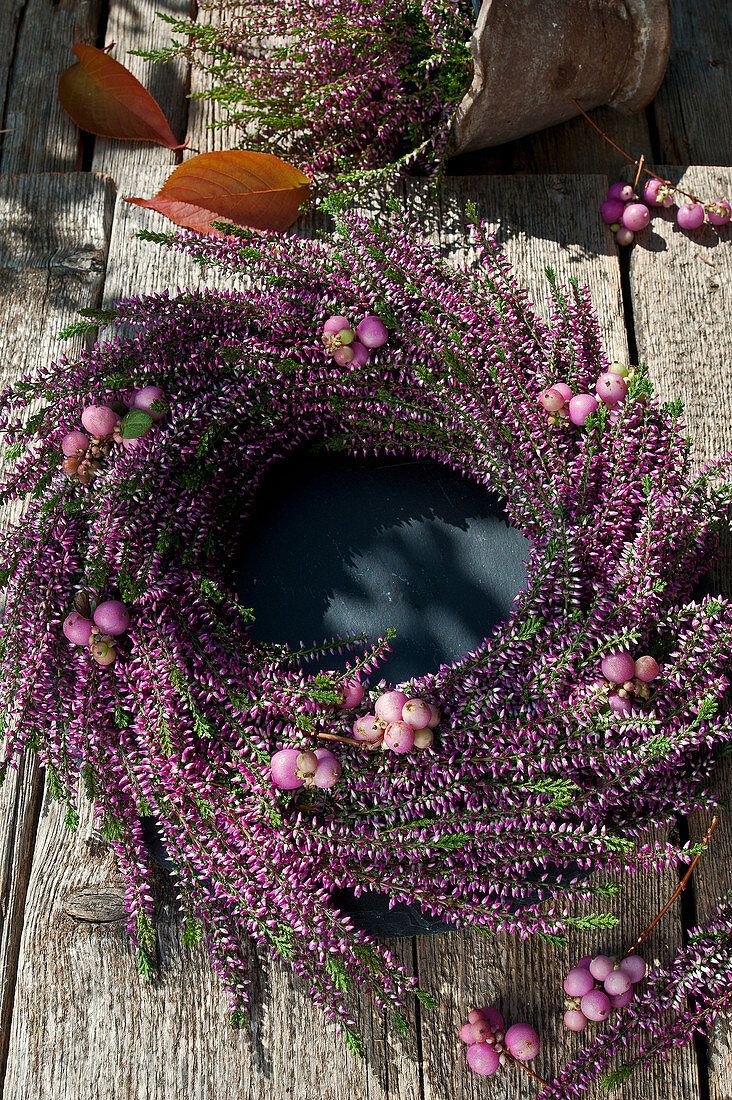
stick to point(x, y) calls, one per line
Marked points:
point(293, 768)
point(107, 424)
point(491, 1046)
point(398, 723)
point(625, 678)
point(594, 987)
point(97, 627)
point(626, 214)
point(348, 345)
point(561, 404)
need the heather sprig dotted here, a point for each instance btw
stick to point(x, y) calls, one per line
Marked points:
point(531, 782)
point(339, 87)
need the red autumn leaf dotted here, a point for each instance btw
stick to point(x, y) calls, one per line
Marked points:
point(253, 189)
point(104, 98)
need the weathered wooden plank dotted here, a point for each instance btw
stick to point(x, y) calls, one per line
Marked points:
point(680, 284)
point(53, 242)
point(681, 293)
point(43, 137)
point(8, 33)
point(133, 25)
point(570, 147)
point(541, 221)
point(693, 108)
point(204, 115)
point(77, 982)
point(549, 220)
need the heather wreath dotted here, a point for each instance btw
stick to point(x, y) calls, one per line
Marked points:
point(533, 774)
point(334, 85)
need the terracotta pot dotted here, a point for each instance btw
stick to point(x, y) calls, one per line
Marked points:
point(532, 57)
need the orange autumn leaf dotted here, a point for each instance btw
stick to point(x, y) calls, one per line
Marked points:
point(104, 98)
point(257, 190)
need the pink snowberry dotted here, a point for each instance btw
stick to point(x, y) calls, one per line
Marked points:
point(646, 669)
point(494, 1018)
point(305, 765)
point(351, 694)
point(74, 442)
point(481, 1030)
point(617, 982)
point(690, 215)
point(99, 420)
point(621, 191)
point(634, 966)
point(552, 400)
point(612, 211)
point(578, 982)
point(466, 1033)
point(399, 737)
point(112, 617)
point(148, 397)
point(368, 728)
point(619, 705)
point(636, 216)
point(434, 717)
point(522, 1042)
point(581, 406)
point(417, 713)
point(650, 192)
point(719, 212)
point(476, 1015)
point(423, 738)
point(77, 629)
point(624, 236)
point(283, 769)
point(372, 331)
point(620, 1000)
point(389, 706)
point(343, 356)
point(600, 967)
point(595, 1005)
point(328, 771)
point(483, 1059)
point(564, 389)
point(611, 388)
point(575, 1020)
point(361, 355)
point(617, 668)
point(335, 324)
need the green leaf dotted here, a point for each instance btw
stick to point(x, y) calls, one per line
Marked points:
point(135, 423)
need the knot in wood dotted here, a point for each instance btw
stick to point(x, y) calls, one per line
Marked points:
point(100, 904)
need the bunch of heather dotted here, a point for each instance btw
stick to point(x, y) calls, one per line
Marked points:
point(680, 1002)
point(527, 778)
point(336, 86)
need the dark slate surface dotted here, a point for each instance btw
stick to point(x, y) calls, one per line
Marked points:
point(338, 546)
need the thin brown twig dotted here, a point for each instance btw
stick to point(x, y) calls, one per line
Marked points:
point(532, 1073)
point(679, 888)
point(638, 164)
point(641, 162)
point(344, 740)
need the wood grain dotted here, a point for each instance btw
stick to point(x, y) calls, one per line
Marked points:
point(133, 25)
point(570, 147)
point(541, 221)
point(50, 266)
point(693, 108)
point(43, 138)
point(681, 286)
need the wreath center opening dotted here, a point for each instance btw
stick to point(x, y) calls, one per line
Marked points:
point(338, 545)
